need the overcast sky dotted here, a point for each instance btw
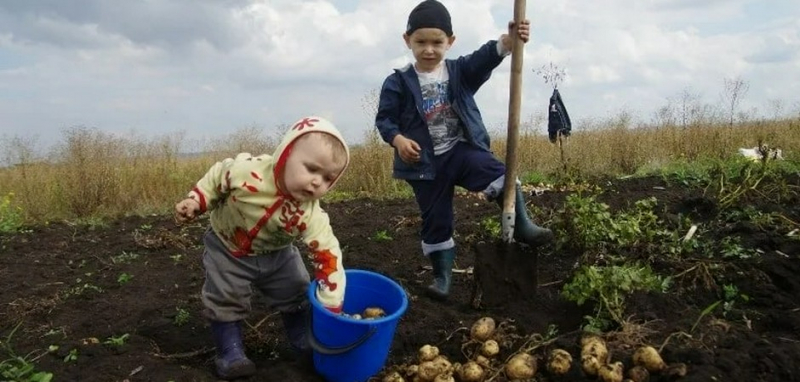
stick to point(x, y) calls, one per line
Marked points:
point(210, 67)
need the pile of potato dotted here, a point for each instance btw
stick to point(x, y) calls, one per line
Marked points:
point(596, 362)
point(369, 313)
point(435, 367)
point(482, 364)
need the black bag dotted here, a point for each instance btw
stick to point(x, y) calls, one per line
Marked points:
point(557, 119)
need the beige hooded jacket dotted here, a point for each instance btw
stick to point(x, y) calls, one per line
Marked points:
point(252, 215)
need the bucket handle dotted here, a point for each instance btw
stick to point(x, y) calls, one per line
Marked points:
point(326, 350)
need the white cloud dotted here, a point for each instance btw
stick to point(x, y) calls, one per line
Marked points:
point(209, 66)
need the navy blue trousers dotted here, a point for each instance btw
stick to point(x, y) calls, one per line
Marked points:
point(464, 166)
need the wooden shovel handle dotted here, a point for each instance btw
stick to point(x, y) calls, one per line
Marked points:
point(514, 103)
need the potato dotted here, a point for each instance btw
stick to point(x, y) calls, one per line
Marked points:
point(648, 357)
point(490, 348)
point(590, 365)
point(429, 370)
point(638, 374)
point(443, 363)
point(596, 347)
point(560, 362)
point(428, 353)
point(482, 329)
point(611, 373)
point(394, 377)
point(412, 370)
point(470, 372)
point(374, 312)
point(483, 362)
point(521, 366)
point(444, 377)
point(590, 338)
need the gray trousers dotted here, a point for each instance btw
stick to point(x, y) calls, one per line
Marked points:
point(280, 276)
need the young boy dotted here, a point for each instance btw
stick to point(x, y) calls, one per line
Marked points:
point(259, 205)
point(427, 112)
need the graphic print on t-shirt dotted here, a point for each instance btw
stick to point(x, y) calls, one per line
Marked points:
point(442, 120)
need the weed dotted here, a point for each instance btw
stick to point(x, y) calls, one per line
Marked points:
point(181, 317)
point(552, 332)
point(124, 258)
point(72, 356)
point(588, 225)
point(55, 331)
point(382, 235)
point(492, 227)
point(337, 196)
point(117, 340)
point(536, 178)
point(145, 227)
point(80, 289)
point(10, 215)
point(608, 287)
point(103, 174)
point(20, 368)
point(124, 278)
point(93, 222)
point(741, 179)
point(690, 174)
point(80, 265)
point(710, 308)
point(176, 258)
point(732, 248)
point(730, 294)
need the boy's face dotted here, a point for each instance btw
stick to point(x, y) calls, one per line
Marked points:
point(311, 168)
point(429, 46)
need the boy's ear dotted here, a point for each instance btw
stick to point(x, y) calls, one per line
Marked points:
point(407, 39)
point(451, 39)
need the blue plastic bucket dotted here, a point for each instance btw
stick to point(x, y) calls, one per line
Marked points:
point(350, 350)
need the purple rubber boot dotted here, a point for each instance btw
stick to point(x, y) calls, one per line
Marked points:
point(231, 361)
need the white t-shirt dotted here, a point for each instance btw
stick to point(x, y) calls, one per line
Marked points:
point(443, 123)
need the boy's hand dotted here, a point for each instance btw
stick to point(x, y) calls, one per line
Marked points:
point(186, 210)
point(407, 148)
point(524, 33)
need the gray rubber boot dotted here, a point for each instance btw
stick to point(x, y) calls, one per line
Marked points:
point(525, 230)
point(442, 263)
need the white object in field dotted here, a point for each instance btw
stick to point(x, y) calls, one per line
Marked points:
point(757, 153)
point(691, 232)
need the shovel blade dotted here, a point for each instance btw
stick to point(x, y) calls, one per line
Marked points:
point(504, 273)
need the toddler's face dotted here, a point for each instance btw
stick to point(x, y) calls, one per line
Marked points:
point(310, 169)
point(429, 46)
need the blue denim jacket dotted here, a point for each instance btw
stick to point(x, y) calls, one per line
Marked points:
point(400, 108)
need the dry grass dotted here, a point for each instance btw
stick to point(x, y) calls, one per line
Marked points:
point(93, 174)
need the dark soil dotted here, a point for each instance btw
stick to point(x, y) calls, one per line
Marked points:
point(61, 287)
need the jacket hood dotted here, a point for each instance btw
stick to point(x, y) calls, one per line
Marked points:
point(311, 124)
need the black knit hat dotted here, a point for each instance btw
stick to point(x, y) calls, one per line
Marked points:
point(429, 14)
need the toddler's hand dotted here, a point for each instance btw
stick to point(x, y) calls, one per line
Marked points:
point(408, 149)
point(186, 210)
